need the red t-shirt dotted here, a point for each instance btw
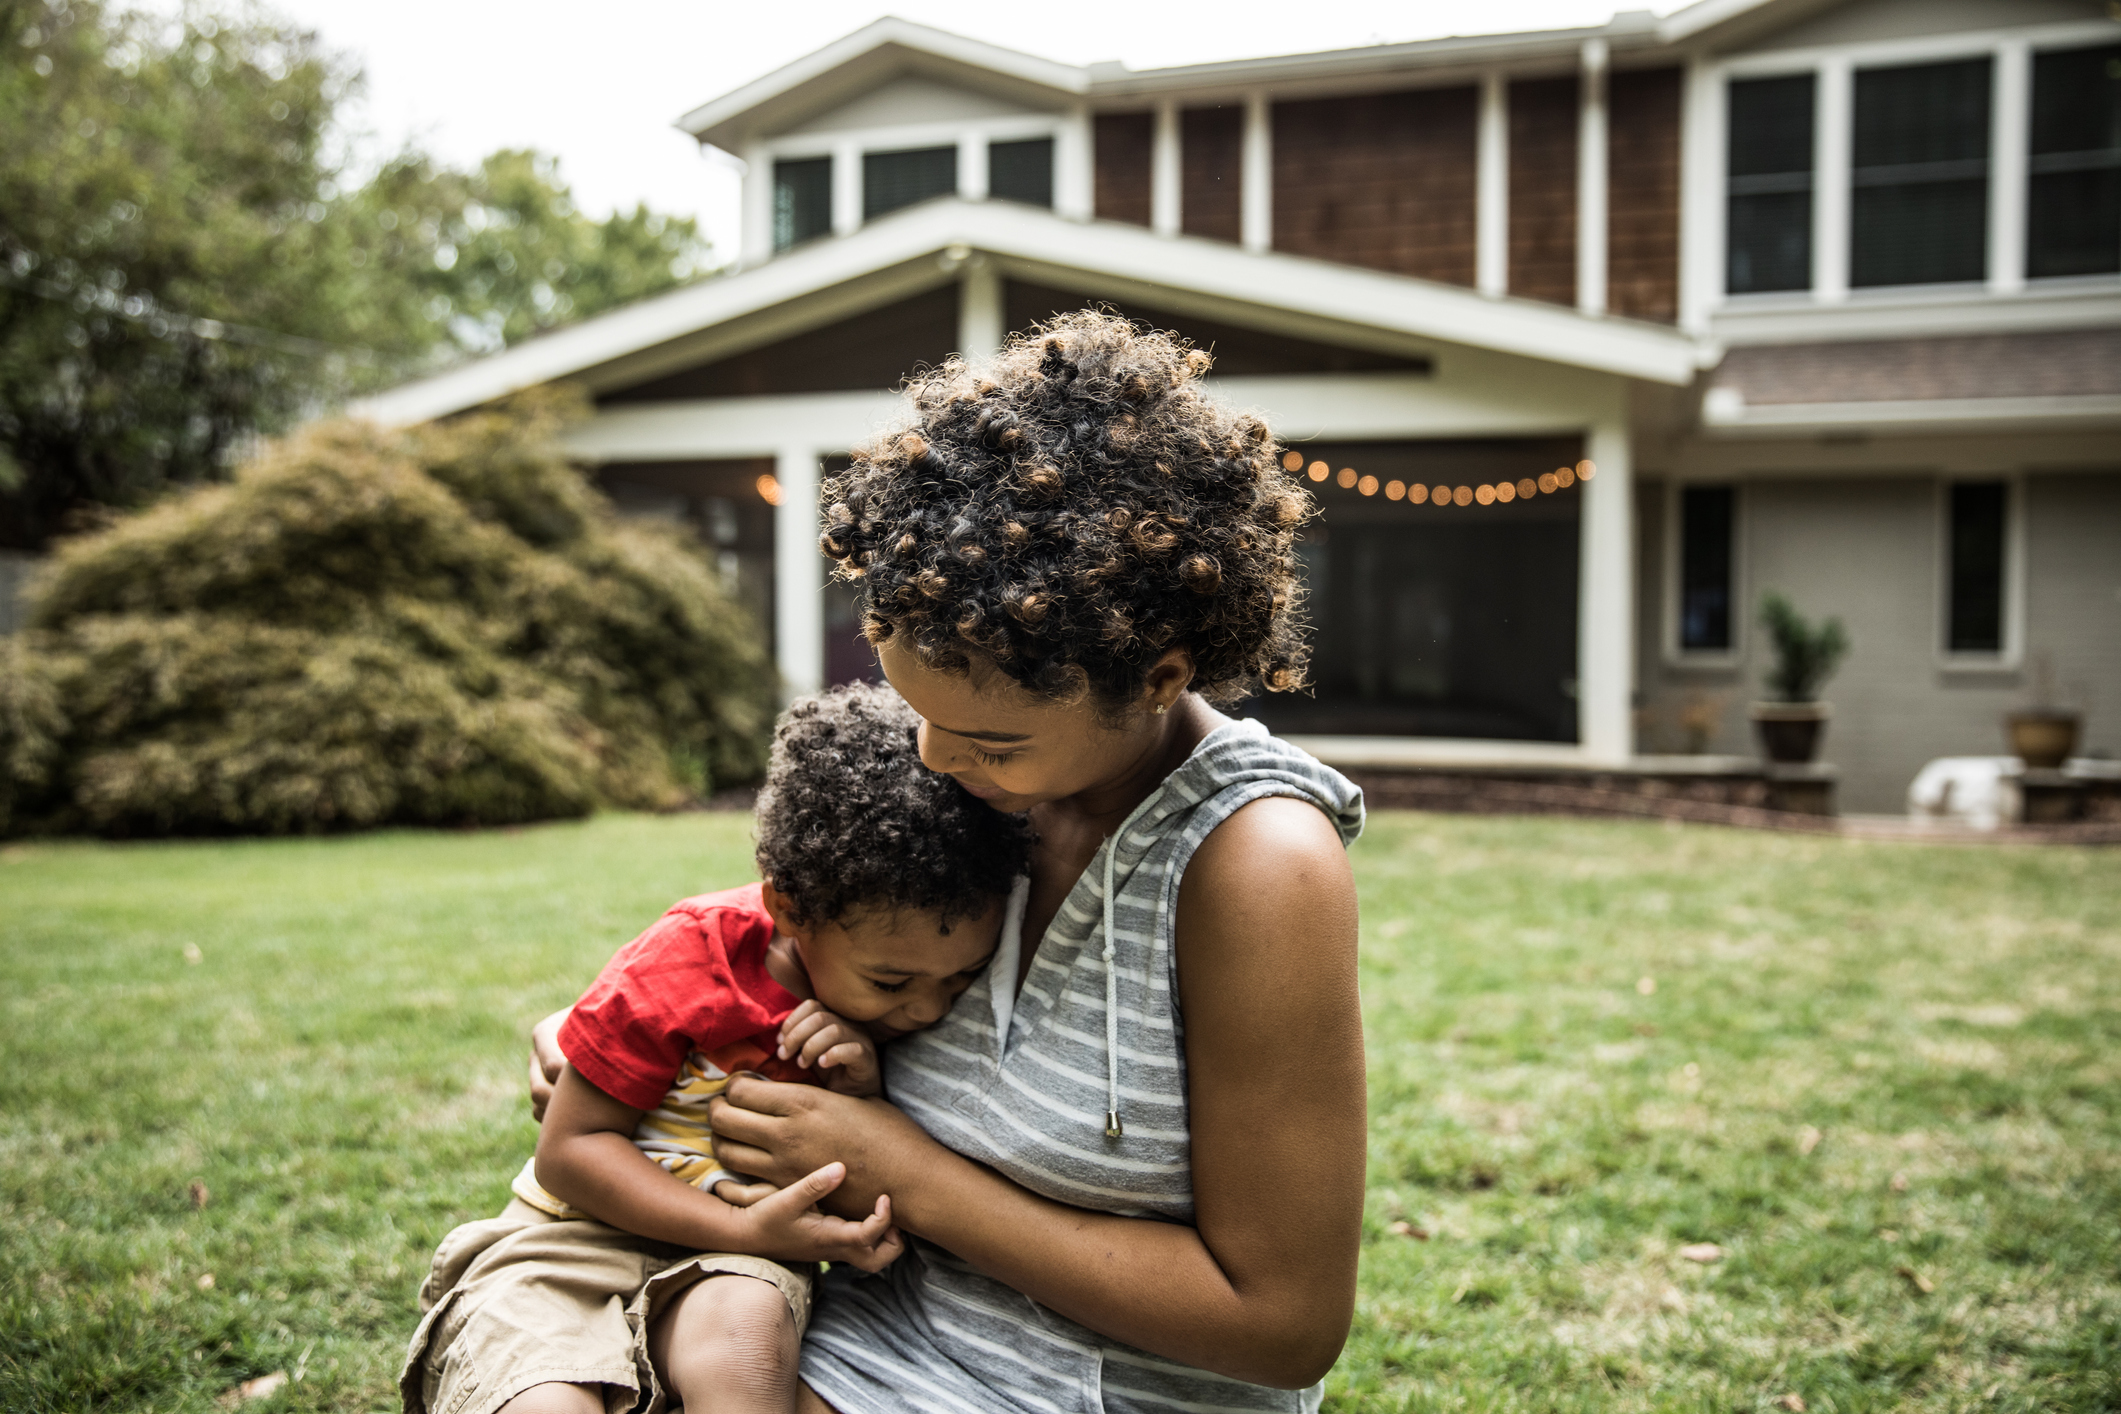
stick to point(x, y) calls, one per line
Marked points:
point(695, 981)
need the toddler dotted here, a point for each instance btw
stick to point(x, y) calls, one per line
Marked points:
point(622, 1276)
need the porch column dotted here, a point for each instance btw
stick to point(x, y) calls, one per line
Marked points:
point(1256, 183)
point(798, 574)
point(979, 310)
point(1591, 180)
point(1491, 202)
point(2007, 182)
point(846, 188)
point(1165, 217)
point(1072, 171)
point(1605, 613)
point(756, 242)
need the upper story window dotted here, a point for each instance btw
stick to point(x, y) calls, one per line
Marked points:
point(802, 201)
point(1918, 208)
point(1021, 171)
point(891, 180)
point(2073, 209)
point(1770, 217)
point(1909, 150)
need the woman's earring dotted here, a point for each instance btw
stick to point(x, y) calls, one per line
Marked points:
point(1160, 708)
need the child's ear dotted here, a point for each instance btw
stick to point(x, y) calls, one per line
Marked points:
point(782, 909)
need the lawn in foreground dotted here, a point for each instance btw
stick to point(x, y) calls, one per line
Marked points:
point(1883, 1080)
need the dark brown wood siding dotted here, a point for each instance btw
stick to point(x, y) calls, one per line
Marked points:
point(1211, 159)
point(1239, 352)
point(1122, 166)
point(1543, 189)
point(1384, 180)
point(1642, 251)
point(872, 350)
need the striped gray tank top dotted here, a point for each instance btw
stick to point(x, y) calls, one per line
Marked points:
point(1035, 1086)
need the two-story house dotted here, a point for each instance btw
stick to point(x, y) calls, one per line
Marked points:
point(1583, 340)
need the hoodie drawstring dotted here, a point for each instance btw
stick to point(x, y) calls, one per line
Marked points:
point(1113, 1128)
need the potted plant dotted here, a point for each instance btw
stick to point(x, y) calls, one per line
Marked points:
point(1805, 657)
point(2043, 735)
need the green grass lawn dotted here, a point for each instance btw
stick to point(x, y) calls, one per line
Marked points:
point(1884, 1080)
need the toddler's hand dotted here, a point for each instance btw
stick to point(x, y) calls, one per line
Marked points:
point(743, 1195)
point(788, 1226)
point(843, 1053)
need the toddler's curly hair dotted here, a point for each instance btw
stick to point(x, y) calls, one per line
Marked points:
point(1074, 513)
point(849, 819)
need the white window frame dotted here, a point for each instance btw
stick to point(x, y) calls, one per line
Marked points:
point(2011, 657)
point(847, 148)
point(1674, 655)
point(1707, 203)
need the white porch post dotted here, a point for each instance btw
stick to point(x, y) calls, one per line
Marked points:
point(1165, 195)
point(1491, 202)
point(846, 188)
point(1256, 164)
point(972, 167)
point(1700, 199)
point(2008, 186)
point(979, 310)
point(1591, 180)
point(798, 574)
point(1830, 180)
point(1605, 604)
point(1073, 175)
point(756, 242)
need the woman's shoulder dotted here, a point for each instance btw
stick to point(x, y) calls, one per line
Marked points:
point(1240, 762)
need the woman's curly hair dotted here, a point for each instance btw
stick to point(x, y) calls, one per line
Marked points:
point(1072, 514)
point(850, 819)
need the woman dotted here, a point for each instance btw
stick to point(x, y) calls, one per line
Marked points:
point(1131, 1157)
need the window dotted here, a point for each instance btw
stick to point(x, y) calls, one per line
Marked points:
point(1974, 619)
point(1705, 523)
point(891, 180)
point(1021, 171)
point(802, 201)
point(1918, 214)
point(2073, 216)
point(1770, 185)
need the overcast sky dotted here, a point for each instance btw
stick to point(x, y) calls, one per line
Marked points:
point(600, 85)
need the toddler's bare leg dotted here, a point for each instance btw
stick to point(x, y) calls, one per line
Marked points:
point(727, 1345)
point(557, 1399)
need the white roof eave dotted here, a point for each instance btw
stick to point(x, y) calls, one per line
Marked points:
point(1200, 269)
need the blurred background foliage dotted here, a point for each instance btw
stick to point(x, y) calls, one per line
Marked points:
point(190, 255)
point(440, 626)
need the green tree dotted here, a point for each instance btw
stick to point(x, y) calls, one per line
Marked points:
point(185, 260)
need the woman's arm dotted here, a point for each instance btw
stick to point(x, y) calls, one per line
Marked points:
point(1264, 1287)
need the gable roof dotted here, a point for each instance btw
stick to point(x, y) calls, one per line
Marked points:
point(891, 46)
point(1365, 306)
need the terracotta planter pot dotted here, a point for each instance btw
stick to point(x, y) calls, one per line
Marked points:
point(2043, 740)
point(1789, 731)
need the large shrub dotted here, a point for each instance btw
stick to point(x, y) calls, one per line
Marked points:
point(438, 626)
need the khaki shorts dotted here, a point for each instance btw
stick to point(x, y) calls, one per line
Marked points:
point(525, 1299)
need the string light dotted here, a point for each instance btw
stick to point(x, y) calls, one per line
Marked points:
point(1561, 478)
point(769, 489)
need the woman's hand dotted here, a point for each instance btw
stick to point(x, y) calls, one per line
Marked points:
point(781, 1133)
point(546, 1062)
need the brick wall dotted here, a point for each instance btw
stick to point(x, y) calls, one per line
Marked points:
point(1642, 241)
point(1383, 180)
point(1211, 148)
point(1121, 166)
point(1543, 189)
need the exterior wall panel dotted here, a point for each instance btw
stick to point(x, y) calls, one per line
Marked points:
point(1122, 166)
point(1382, 180)
point(1543, 189)
point(1211, 143)
point(1642, 198)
